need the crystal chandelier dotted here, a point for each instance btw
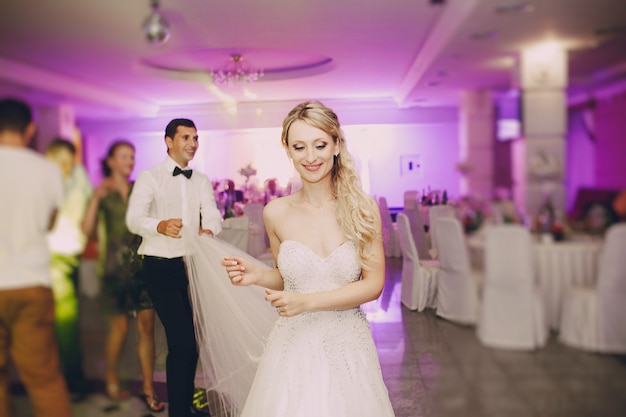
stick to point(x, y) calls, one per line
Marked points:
point(235, 71)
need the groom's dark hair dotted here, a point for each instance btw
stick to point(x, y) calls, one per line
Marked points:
point(172, 127)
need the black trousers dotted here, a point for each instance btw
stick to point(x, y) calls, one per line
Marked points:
point(167, 284)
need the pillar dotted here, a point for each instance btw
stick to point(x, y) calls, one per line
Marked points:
point(538, 157)
point(476, 143)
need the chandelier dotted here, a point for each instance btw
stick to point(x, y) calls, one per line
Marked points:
point(235, 71)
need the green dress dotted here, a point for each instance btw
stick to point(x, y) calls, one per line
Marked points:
point(123, 287)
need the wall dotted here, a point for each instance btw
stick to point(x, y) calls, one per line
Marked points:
point(610, 156)
point(596, 144)
point(377, 149)
point(378, 138)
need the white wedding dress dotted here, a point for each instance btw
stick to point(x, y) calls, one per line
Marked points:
point(311, 365)
point(321, 363)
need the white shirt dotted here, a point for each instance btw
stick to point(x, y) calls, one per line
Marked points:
point(67, 237)
point(31, 189)
point(158, 195)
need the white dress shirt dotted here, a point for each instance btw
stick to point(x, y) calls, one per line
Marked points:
point(158, 195)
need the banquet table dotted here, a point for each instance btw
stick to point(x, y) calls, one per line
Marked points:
point(559, 265)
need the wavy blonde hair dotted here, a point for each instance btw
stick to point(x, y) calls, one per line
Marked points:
point(356, 211)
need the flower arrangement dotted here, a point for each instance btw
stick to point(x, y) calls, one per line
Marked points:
point(247, 171)
point(472, 212)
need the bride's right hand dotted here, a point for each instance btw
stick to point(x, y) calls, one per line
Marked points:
point(240, 271)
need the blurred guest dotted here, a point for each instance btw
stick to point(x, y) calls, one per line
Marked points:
point(598, 218)
point(26, 300)
point(67, 242)
point(230, 196)
point(503, 208)
point(294, 184)
point(271, 190)
point(619, 206)
point(124, 291)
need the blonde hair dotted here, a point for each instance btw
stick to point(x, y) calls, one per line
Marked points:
point(356, 211)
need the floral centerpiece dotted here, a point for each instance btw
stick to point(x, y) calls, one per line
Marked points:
point(472, 212)
point(247, 171)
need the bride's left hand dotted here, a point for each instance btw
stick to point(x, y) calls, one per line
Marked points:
point(287, 304)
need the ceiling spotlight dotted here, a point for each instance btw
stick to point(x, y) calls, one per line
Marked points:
point(155, 27)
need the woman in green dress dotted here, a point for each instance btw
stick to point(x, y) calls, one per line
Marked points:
point(123, 290)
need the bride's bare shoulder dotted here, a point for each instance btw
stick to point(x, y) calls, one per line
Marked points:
point(277, 207)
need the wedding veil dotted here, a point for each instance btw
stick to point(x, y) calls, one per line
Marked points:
point(232, 323)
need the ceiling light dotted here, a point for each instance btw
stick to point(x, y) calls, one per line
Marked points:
point(155, 27)
point(235, 70)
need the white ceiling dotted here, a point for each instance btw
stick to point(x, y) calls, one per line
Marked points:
point(92, 54)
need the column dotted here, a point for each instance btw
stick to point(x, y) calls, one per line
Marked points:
point(539, 155)
point(476, 143)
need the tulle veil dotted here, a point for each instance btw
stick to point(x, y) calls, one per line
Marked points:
point(232, 323)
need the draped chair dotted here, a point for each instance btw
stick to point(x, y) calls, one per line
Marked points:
point(458, 286)
point(437, 212)
point(512, 314)
point(258, 235)
point(235, 230)
point(411, 198)
point(390, 238)
point(593, 317)
point(420, 237)
point(419, 279)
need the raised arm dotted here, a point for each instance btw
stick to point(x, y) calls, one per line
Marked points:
point(243, 273)
point(90, 220)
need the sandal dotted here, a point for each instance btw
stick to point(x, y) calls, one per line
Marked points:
point(152, 402)
point(114, 392)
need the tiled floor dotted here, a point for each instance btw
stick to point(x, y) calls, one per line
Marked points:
point(433, 368)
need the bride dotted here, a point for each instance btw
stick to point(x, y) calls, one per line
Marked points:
point(317, 358)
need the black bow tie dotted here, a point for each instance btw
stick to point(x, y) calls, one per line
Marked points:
point(186, 172)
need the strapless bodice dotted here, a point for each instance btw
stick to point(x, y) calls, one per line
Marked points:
point(304, 271)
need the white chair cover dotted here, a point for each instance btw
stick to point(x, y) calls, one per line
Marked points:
point(438, 212)
point(593, 317)
point(512, 314)
point(457, 285)
point(411, 199)
point(419, 283)
point(420, 237)
point(258, 236)
point(235, 230)
point(390, 239)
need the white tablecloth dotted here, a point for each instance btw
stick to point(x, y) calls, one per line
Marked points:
point(559, 265)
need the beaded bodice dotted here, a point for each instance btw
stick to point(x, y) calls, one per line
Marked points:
point(304, 271)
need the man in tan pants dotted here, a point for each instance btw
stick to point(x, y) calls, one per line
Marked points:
point(32, 190)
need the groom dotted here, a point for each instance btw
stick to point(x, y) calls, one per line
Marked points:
point(166, 199)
